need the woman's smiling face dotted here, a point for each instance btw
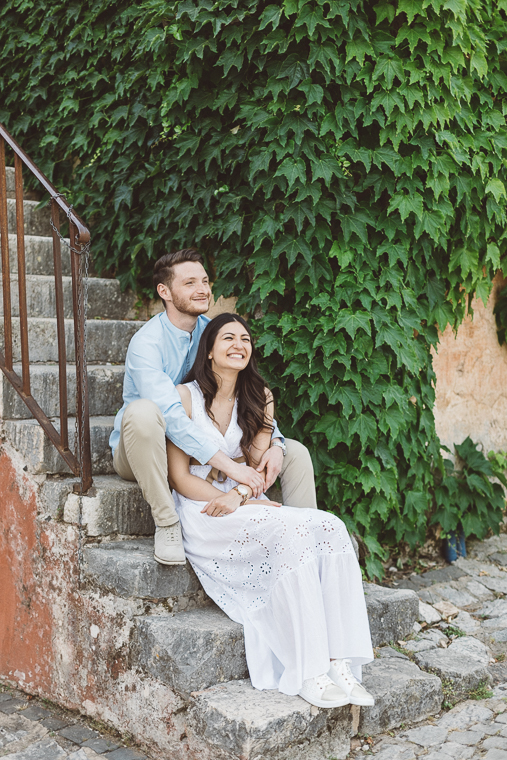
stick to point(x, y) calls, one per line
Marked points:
point(232, 348)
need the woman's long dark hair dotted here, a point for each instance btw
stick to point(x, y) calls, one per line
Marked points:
point(250, 387)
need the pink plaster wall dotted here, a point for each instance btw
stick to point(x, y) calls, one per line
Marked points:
point(471, 387)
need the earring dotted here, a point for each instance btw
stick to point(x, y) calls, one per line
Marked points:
point(209, 357)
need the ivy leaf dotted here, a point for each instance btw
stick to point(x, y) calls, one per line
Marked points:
point(493, 255)
point(389, 68)
point(350, 399)
point(465, 258)
point(352, 321)
point(479, 63)
point(271, 15)
point(497, 188)
point(293, 169)
point(407, 204)
point(365, 427)
point(294, 70)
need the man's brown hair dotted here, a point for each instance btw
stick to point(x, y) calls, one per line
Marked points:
point(163, 270)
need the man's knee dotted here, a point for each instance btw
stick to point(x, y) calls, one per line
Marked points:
point(143, 417)
point(297, 454)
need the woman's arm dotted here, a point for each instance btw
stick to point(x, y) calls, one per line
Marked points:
point(262, 440)
point(179, 464)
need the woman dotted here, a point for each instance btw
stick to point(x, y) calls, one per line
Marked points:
point(289, 576)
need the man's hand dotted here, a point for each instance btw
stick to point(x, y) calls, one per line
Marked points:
point(239, 472)
point(272, 462)
point(223, 505)
point(248, 477)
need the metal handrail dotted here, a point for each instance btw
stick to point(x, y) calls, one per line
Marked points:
point(80, 461)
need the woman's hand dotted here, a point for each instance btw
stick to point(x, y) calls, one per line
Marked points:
point(223, 505)
point(263, 503)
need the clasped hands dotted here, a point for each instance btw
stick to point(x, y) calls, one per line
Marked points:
point(258, 480)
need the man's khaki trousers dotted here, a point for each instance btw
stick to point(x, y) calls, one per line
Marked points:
point(141, 455)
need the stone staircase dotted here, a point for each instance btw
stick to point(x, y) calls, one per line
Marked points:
point(176, 638)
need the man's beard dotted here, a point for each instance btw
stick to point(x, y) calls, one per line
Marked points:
point(189, 307)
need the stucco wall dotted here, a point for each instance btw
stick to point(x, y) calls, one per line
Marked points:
point(471, 387)
point(64, 641)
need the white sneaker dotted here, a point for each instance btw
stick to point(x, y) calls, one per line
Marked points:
point(322, 692)
point(169, 545)
point(340, 674)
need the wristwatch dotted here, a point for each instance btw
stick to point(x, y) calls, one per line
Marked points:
point(280, 445)
point(243, 492)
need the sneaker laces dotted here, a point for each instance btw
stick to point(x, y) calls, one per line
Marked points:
point(323, 681)
point(346, 673)
point(169, 534)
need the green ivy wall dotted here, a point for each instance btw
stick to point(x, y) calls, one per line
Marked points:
point(341, 164)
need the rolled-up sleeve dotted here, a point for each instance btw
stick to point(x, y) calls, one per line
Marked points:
point(145, 367)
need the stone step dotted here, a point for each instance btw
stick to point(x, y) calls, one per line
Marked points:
point(235, 721)
point(190, 651)
point(11, 186)
point(107, 339)
point(249, 724)
point(403, 693)
point(115, 506)
point(27, 437)
point(158, 650)
point(38, 255)
point(392, 613)
point(36, 220)
point(105, 299)
point(127, 569)
point(105, 382)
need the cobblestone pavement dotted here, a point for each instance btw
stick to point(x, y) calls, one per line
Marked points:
point(463, 614)
point(31, 729)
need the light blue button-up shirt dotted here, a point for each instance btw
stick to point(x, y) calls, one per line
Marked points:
point(158, 358)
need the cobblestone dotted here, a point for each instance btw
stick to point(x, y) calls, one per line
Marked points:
point(32, 730)
point(464, 626)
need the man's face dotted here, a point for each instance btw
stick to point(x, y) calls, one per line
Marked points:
point(190, 290)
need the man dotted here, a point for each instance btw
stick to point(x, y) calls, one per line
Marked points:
point(159, 356)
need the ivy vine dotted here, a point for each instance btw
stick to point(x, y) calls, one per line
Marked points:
point(343, 166)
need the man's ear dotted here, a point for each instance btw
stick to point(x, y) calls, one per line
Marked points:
point(164, 292)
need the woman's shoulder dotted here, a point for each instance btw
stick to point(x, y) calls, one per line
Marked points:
point(186, 397)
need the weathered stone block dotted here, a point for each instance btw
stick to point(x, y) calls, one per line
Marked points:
point(105, 384)
point(117, 507)
point(105, 299)
point(250, 724)
point(127, 568)
point(191, 650)
point(464, 673)
point(41, 456)
point(402, 693)
point(107, 340)
point(36, 220)
point(38, 255)
point(391, 612)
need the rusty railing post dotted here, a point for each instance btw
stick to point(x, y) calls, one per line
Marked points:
point(6, 264)
point(82, 406)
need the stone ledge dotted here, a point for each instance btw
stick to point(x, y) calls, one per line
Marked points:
point(391, 612)
point(27, 437)
point(127, 568)
point(402, 693)
point(249, 724)
point(190, 651)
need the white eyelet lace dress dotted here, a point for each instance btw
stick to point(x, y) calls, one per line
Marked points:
point(288, 575)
